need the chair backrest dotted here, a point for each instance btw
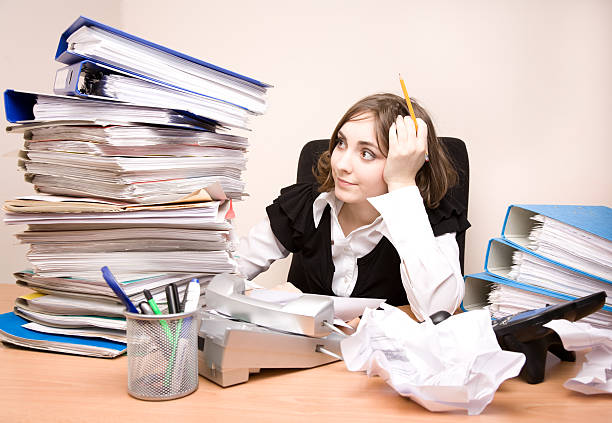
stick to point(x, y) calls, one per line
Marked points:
point(457, 153)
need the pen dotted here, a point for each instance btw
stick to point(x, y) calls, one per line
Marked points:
point(410, 109)
point(112, 282)
point(177, 299)
point(184, 300)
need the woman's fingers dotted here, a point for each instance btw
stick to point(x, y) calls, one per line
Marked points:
point(392, 138)
point(421, 135)
point(402, 131)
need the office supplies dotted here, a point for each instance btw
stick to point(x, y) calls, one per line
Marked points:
point(230, 351)
point(30, 107)
point(162, 367)
point(90, 79)
point(88, 332)
point(171, 299)
point(411, 110)
point(88, 39)
point(66, 305)
point(145, 137)
point(184, 300)
point(13, 332)
point(157, 311)
point(514, 262)
point(408, 103)
point(525, 333)
point(114, 285)
point(504, 297)
point(576, 236)
point(192, 295)
point(98, 288)
point(305, 315)
point(71, 321)
point(319, 391)
point(151, 301)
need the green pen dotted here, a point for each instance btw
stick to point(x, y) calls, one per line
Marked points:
point(156, 310)
point(173, 340)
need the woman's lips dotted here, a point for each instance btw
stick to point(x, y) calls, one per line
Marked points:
point(343, 182)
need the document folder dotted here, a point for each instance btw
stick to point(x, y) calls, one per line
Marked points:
point(85, 79)
point(13, 332)
point(19, 108)
point(237, 84)
point(64, 56)
point(596, 220)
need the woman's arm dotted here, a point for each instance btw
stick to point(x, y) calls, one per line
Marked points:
point(258, 250)
point(429, 267)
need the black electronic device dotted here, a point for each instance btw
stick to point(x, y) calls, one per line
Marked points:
point(525, 333)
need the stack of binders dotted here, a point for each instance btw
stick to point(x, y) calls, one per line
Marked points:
point(547, 254)
point(136, 158)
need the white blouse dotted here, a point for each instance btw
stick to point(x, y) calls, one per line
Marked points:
point(429, 268)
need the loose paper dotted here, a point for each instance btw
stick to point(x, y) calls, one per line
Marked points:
point(456, 364)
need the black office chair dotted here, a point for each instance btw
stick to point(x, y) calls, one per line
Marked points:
point(457, 153)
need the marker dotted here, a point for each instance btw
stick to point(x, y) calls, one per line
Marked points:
point(172, 299)
point(157, 311)
point(151, 301)
point(193, 296)
point(112, 282)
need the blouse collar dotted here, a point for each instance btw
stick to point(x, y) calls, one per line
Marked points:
point(325, 198)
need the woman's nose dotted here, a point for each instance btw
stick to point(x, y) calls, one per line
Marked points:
point(344, 162)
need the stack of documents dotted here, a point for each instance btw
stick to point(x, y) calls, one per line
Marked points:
point(146, 246)
point(547, 254)
point(131, 163)
point(136, 159)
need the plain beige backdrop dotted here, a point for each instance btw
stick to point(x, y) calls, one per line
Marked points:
point(526, 84)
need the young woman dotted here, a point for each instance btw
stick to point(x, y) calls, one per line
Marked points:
point(378, 223)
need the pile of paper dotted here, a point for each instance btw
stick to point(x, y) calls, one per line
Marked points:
point(136, 170)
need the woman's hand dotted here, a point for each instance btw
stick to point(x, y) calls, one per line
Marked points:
point(407, 150)
point(353, 326)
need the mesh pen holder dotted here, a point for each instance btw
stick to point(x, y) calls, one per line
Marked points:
point(162, 355)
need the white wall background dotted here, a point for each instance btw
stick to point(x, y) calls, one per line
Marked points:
point(526, 84)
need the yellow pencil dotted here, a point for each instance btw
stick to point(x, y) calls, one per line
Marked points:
point(408, 102)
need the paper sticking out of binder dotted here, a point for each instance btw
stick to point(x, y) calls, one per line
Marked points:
point(547, 254)
point(88, 39)
point(94, 80)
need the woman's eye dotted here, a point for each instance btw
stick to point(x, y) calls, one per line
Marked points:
point(368, 155)
point(340, 143)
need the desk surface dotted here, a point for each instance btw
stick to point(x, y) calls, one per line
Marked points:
point(47, 387)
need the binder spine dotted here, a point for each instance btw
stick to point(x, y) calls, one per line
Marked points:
point(525, 250)
point(19, 106)
point(64, 56)
point(494, 279)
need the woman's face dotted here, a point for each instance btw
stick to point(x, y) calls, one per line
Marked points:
point(357, 163)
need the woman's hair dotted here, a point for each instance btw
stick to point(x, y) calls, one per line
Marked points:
point(433, 179)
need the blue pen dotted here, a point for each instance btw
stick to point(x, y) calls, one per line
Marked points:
point(112, 282)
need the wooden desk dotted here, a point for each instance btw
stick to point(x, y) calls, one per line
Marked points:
point(47, 387)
